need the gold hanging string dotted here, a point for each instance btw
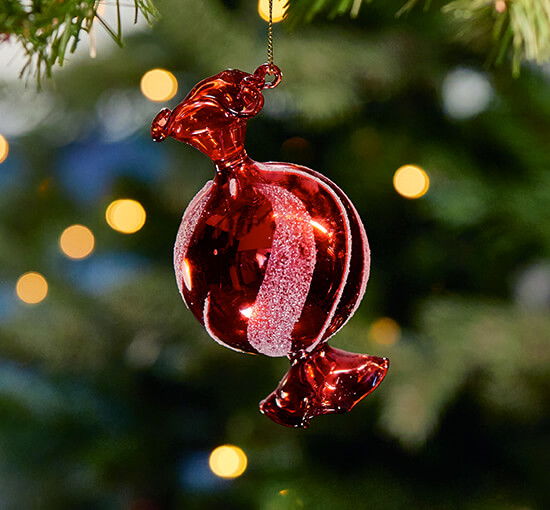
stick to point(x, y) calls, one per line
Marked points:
point(269, 68)
point(270, 35)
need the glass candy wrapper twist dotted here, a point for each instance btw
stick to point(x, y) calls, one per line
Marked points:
point(271, 258)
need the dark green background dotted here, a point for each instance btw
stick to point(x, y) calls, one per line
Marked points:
point(111, 396)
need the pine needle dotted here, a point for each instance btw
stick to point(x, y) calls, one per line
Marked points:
point(48, 33)
point(519, 29)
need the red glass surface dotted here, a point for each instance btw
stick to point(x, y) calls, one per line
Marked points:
point(272, 258)
point(326, 381)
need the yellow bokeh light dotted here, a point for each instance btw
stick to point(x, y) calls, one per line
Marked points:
point(385, 331)
point(228, 461)
point(278, 12)
point(31, 288)
point(4, 149)
point(159, 85)
point(125, 215)
point(411, 181)
point(77, 241)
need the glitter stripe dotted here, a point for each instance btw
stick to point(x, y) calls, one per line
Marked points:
point(288, 275)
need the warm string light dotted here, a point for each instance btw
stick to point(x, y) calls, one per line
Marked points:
point(278, 13)
point(411, 181)
point(125, 215)
point(77, 241)
point(228, 461)
point(31, 288)
point(4, 149)
point(159, 85)
point(384, 331)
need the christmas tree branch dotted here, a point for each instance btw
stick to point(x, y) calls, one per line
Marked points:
point(49, 29)
point(519, 28)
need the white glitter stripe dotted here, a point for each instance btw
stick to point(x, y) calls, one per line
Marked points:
point(287, 279)
point(284, 168)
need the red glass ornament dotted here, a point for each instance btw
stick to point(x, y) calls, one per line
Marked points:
point(271, 258)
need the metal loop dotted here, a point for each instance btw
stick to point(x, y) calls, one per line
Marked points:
point(269, 70)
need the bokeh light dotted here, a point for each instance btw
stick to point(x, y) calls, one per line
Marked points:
point(278, 12)
point(4, 148)
point(411, 181)
point(159, 85)
point(125, 215)
point(77, 241)
point(228, 461)
point(297, 149)
point(31, 288)
point(384, 331)
point(465, 93)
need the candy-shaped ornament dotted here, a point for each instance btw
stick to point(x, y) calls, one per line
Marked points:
point(271, 258)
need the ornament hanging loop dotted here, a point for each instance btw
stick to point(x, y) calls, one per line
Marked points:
point(268, 70)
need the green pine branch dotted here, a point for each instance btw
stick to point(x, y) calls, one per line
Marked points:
point(48, 30)
point(516, 28)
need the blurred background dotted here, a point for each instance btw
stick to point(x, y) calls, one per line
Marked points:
point(112, 395)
